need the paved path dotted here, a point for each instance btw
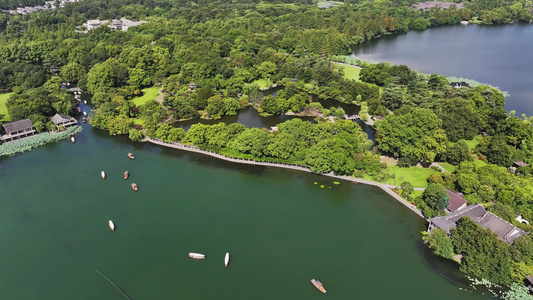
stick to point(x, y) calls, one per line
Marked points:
point(385, 187)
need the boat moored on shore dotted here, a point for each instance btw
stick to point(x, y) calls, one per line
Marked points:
point(196, 255)
point(226, 259)
point(318, 285)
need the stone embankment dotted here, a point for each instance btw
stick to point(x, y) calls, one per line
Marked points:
point(385, 187)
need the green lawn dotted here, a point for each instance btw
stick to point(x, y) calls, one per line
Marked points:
point(3, 108)
point(448, 167)
point(350, 72)
point(148, 94)
point(415, 175)
point(263, 83)
point(471, 143)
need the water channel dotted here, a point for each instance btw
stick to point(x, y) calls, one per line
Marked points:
point(498, 55)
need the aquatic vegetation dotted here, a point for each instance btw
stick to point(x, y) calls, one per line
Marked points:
point(336, 182)
point(23, 145)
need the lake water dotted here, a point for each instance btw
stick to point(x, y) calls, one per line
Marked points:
point(281, 230)
point(498, 55)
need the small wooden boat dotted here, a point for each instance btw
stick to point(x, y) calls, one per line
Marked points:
point(130, 155)
point(126, 175)
point(111, 225)
point(85, 113)
point(226, 259)
point(72, 139)
point(103, 174)
point(84, 120)
point(134, 186)
point(79, 109)
point(196, 255)
point(85, 102)
point(318, 285)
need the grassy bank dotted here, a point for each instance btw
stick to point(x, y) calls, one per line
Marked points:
point(263, 83)
point(350, 72)
point(3, 107)
point(148, 94)
point(415, 175)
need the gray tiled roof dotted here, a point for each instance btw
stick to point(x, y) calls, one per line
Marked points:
point(58, 119)
point(506, 232)
point(475, 212)
point(18, 125)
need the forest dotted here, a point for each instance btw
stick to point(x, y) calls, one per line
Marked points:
point(209, 58)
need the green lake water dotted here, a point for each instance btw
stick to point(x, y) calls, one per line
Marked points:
point(280, 229)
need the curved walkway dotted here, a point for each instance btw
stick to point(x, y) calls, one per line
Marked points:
point(385, 187)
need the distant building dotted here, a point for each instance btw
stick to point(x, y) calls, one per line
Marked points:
point(506, 232)
point(459, 84)
point(123, 24)
point(18, 129)
point(519, 164)
point(63, 120)
point(437, 4)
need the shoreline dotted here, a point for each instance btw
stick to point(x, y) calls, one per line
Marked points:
point(384, 187)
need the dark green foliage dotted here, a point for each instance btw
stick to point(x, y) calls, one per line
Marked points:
point(459, 119)
point(434, 197)
point(484, 255)
point(458, 153)
point(438, 240)
point(414, 133)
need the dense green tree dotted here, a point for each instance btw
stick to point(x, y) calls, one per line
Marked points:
point(459, 119)
point(413, 132)
point(458, 153)
point(435, 197)
point(438, 240)
point(484, 256)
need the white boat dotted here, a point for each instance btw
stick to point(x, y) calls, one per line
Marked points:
point(84, 101)
point(196, 255)
point(85, 113)
point(111, 225)
point(103, 174)
point(226, 259)
point(72, 139)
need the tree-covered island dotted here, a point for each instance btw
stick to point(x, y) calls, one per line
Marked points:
point(207, 59)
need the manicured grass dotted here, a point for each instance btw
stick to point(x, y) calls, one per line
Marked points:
point(263, 83)
point(148, 94)
point(471, 143)
point(448, 167)
point(479, 163)
point(415, 194)
point(3, 108)
point(415, 175)
point(350, 72)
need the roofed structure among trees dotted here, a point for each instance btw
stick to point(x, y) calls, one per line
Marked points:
point(455, 201)
point(18, 129)
point(63, 120)
point(442, 5)
point(506, 232)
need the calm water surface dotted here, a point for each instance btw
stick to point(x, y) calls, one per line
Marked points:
point(498, 55)
point(280, 228)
